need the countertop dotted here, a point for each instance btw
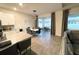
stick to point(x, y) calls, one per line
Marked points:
point(15, 37)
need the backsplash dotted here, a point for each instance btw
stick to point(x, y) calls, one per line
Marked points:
point(8, 27)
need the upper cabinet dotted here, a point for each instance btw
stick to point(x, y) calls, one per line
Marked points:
point(7, 19)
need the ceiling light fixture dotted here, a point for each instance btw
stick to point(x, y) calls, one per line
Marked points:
point(20, 4)
point(34, 10)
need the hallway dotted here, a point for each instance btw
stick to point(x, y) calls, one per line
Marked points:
point(46, 44)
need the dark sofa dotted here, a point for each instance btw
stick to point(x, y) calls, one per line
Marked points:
point(73, 36)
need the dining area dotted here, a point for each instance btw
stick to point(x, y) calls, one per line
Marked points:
point(33, 31)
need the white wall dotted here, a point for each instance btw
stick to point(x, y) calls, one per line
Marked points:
point(23, 21)
point(58, 19)
point(45, 15)
point(74, 11)
point(19, 20)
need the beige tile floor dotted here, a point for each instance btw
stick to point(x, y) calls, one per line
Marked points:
point(46, 44)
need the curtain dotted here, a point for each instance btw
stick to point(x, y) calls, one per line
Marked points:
point(36, 21)
point(65, 20)
point(53, 23)
point(0, 23)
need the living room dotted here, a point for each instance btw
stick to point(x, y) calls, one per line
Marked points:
point(47, 22)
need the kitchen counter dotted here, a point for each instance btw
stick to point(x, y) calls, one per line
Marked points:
point(16, 36)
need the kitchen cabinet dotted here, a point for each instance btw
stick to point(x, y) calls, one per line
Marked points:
point(7, 19)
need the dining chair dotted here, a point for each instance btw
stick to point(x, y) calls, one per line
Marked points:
point(9, 50)
point(23, 45)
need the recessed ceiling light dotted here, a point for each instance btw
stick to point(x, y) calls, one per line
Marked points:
point(20, 4)
point(14, 8)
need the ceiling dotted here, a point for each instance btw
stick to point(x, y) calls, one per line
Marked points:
point(29, 7)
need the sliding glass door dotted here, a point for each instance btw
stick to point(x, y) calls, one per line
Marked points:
point(44, 22)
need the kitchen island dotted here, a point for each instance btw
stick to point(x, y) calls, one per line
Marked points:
point(16, 37)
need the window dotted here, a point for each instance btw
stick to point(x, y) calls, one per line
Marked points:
point(40, 23)
point(44, 22)
point(73, 23)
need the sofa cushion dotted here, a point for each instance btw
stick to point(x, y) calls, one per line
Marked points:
point(69, 47)
point(70, 36)
point(76, 49)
